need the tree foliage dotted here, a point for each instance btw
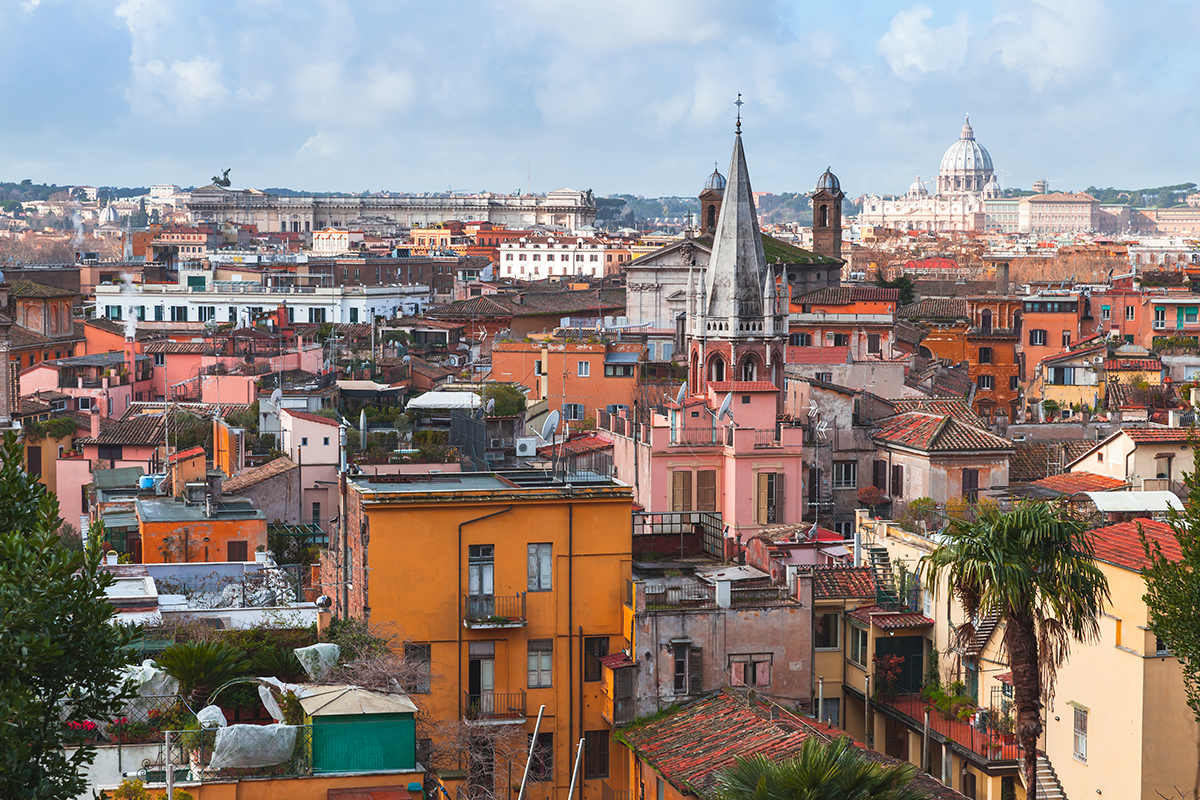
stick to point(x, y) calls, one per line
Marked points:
point(509, 400)
point(820, 771)
point(1035, 567)
point(1173, 588)
point(902, 282)
point(59, 649)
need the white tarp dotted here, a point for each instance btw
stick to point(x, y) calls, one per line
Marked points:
point(253, 746)
point(441, 401)
point(268, 696)
point(1134, 501)
point(318, 659)
point(211, 717)
point(150, 680)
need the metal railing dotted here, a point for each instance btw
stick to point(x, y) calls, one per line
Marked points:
point(695, 437)
point(758, 595)
point(490, 609)
point(766, 437)
point(494, 706)
point(663, 596)
point(973, 734)
point(609, 793)
point(679, 523)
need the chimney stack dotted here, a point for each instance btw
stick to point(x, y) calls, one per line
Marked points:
point(130, 360)
point(95, 417)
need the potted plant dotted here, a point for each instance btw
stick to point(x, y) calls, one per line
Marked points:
point(260, 554)
point(111, 557)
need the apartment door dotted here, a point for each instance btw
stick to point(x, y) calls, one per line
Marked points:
point(481, 568)
point(481, 677)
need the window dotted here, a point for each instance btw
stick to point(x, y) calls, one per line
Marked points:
point(540, 567)
point(158, 313)
point(872, 342)
point(1037, 338)
point(84, 403)
point(572, 411)
point(109, 452)
point(325, 441)
point(179, 314)
point(1160, 318)
point(617, 370)
point(594, 649)
point(827, 377)
point(897, 481)
point(353, 315)
point(541, 766)
point(687, 668)
point(595, 754)
point(420, 656)
point(879, 475)
point(845, 474)
point(750, 670)
point(681, 490)
point(844, 529)
point(1130, 311)
point(825, 632)
point(985, 355)
point(304, 441)
point(986, 382)
point(1081, 722)
point(831, 713)
point(841, 340)
point(236, 551)
point(1012, 383)
point(858, 645)
point(706, 490)
point(316, 514)
point(583, 369)
point(801, 340)
point(1066, 338)
point(770, 498)
point(970, 485)
point(160, 360)
point(541, 658)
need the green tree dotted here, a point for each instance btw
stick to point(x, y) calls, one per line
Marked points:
point(509, 400)
point(820, 771)
point(1173, 590)
point(908, 291)
point(60, 651)
point(1035, 567)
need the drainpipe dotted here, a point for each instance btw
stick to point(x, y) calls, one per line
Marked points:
point(461, 525)
point(571, 624)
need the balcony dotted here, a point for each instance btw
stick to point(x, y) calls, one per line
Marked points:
point(695, 437)
point(766, 438)
point(980, 740)
point(494, 708)
point(487, 611)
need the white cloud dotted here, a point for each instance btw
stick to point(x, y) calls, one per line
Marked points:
point(911, 46)
point(1051, 41)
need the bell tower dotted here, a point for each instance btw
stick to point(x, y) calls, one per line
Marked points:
point(827, 216)
point(710, 202)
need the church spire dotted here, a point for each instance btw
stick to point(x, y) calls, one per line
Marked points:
point(737, 269)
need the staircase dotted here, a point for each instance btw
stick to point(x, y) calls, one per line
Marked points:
point(885, 581)
point(1048, 787)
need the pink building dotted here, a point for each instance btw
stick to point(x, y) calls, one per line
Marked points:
point(746, 464)
point(312, 443)
point(108, 381)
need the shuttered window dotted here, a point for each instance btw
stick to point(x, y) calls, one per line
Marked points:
point(897, 481)
point(770, 505)
point(540, 567)
point(541, 657)
point(706, 490)
point(681, 491)
point(879, 476)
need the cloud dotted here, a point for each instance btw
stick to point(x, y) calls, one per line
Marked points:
point(910, 46)
point(1052, 42)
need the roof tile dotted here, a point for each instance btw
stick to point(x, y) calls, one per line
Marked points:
point(936, 433)
point(843, 582)
point(1121, 544)
point(1068, 483)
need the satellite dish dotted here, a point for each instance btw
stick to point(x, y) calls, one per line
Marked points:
point(276, 397)
point(728, 401)
point(407, 359)
point(491, 405)
point(550, 427)
point(680, 394)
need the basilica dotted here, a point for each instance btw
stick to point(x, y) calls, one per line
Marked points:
point(965, 183)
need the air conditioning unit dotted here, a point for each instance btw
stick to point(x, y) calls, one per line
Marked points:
point(1098, 359)
point(527, 446)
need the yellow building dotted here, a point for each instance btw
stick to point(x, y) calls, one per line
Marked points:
point(1119, 723)
point(509, 587)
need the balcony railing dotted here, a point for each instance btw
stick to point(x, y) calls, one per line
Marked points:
point(663, 596)
point(494, 707)
point(986, 742)
point(494, 611)
point(695, 437)
point(679, 524)
point(609, 793)
point(766, 438)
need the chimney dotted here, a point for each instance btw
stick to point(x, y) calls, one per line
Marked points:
point(130, 360)
point(95, 417)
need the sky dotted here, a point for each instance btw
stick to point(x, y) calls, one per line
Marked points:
point(619, 96)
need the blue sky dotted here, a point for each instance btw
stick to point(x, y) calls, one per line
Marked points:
point(618, 96)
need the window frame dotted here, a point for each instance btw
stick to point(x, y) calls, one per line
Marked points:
point(843, 482)
point(597, 749)
point(583, 369)
point(857, 646)
point(834, 636)
point(593, 670)
point(539, 563)
point(750, 672)
point(420, 654)
point(1079, 734)
point(541, 674)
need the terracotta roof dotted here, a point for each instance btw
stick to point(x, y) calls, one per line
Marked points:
point(1071, 482)
point(845, 295)
point(1161, 434)
point(743, 386)
point(587, 443)
point(939, 308)
point(617, 660)
point(1032, 459)
point(818, 355)
point(1121, 545)
point(843, 582)
point(256, 475)
point(304, 415)
point(890, 620)
point(29, 289)
point(1137, 364)
point(144, 430)
point(693, 744)
point(937, 433)
point(194, 348)
point(953, 407)
point(190, 453)
point(30, 406)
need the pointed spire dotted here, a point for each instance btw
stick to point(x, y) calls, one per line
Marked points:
point(737, 269)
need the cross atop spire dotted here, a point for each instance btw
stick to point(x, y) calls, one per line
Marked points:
point(739, 104)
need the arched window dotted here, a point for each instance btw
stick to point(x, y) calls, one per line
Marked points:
point(749, 369)
point(824, 216)
point(716, 369)
point(712, 217)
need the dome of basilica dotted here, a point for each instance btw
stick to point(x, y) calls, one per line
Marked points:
point(966, 167)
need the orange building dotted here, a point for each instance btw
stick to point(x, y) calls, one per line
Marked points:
point(173, 530)
point(1051, 321)
point(862, 318)
point(576, 378)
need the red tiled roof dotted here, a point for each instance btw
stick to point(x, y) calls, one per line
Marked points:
point(1072, 482)
point(890, 620)
point(935, 308)
point(304, 415)
point(617, 660)
point(256, 475)
point(1138, 364)
point(588, 443)
point(839, 582)
point(190, 348)
point(1121, 545)
point(818, 355)
point(1160, 434)
point(193, 452)
point(1033, 459)
point(931, 432)
point(743, 386)
point(953, 407)
point(844, 295)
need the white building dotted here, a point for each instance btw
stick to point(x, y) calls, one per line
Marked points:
point(334, 242)
point(198, 298)
point(534, 258)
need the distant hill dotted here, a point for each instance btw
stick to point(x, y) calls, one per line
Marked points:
point(1159, 196)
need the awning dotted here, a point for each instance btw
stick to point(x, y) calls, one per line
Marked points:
point(1116, 502)
point(370, 390)
point(444, 401)
point(621, 358)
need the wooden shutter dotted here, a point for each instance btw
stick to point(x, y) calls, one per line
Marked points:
point(813, 480)
point(897, 481)
point(970, 484)
point(879, 476)
point(763, 499)
point(738, 670)
point(624, 684)
point(695, 674)
point(762, 673)
point(779, 499)
point(706, 490)
point(681, 491)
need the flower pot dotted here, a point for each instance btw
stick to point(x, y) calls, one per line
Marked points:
point(260, 556)
point(110, 559)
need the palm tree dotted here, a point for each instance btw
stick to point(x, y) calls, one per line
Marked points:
point(1035, 567)
point(820, 771)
